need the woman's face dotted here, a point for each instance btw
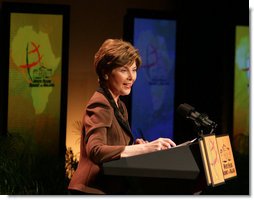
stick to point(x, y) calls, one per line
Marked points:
point(121, 79)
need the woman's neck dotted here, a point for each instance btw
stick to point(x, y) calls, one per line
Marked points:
point(115, 97)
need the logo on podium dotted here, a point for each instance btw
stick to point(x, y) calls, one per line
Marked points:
point(217, 158)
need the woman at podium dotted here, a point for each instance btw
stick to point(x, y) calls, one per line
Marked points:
point(106, 132)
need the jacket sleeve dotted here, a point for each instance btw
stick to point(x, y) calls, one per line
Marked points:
point(97, 119)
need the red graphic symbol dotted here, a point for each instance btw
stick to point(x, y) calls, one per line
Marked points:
point(28, 65)
point(214, 159)
point(212, 149)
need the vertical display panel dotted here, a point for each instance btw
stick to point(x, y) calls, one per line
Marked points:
point(241, 89)
point(36, 76)
point(153, 92)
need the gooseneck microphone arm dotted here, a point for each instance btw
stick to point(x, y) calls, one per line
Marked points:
point(200, 119)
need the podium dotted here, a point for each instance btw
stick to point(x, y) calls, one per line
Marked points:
point(178, 170)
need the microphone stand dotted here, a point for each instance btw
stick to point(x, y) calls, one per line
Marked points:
point(200, 130)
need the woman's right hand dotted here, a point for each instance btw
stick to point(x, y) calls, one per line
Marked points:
point(162, 144)
point(147, 147)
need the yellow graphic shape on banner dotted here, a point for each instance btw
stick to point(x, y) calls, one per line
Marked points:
point(35, 48)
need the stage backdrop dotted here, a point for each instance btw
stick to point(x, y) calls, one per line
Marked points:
point(35, 75)
point(152, 97)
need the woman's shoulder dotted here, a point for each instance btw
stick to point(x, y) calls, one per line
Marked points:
point(99, 100)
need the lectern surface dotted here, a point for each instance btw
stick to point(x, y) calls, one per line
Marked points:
point(178, 162)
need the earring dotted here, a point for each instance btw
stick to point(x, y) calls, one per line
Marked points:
point(106, 77)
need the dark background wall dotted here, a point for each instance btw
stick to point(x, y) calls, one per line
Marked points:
point(204, 58)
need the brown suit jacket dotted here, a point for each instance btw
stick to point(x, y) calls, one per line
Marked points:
point(104, 140)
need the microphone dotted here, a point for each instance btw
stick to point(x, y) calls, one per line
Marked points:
point(200, 119)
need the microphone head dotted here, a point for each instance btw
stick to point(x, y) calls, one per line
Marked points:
point(185, 110)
